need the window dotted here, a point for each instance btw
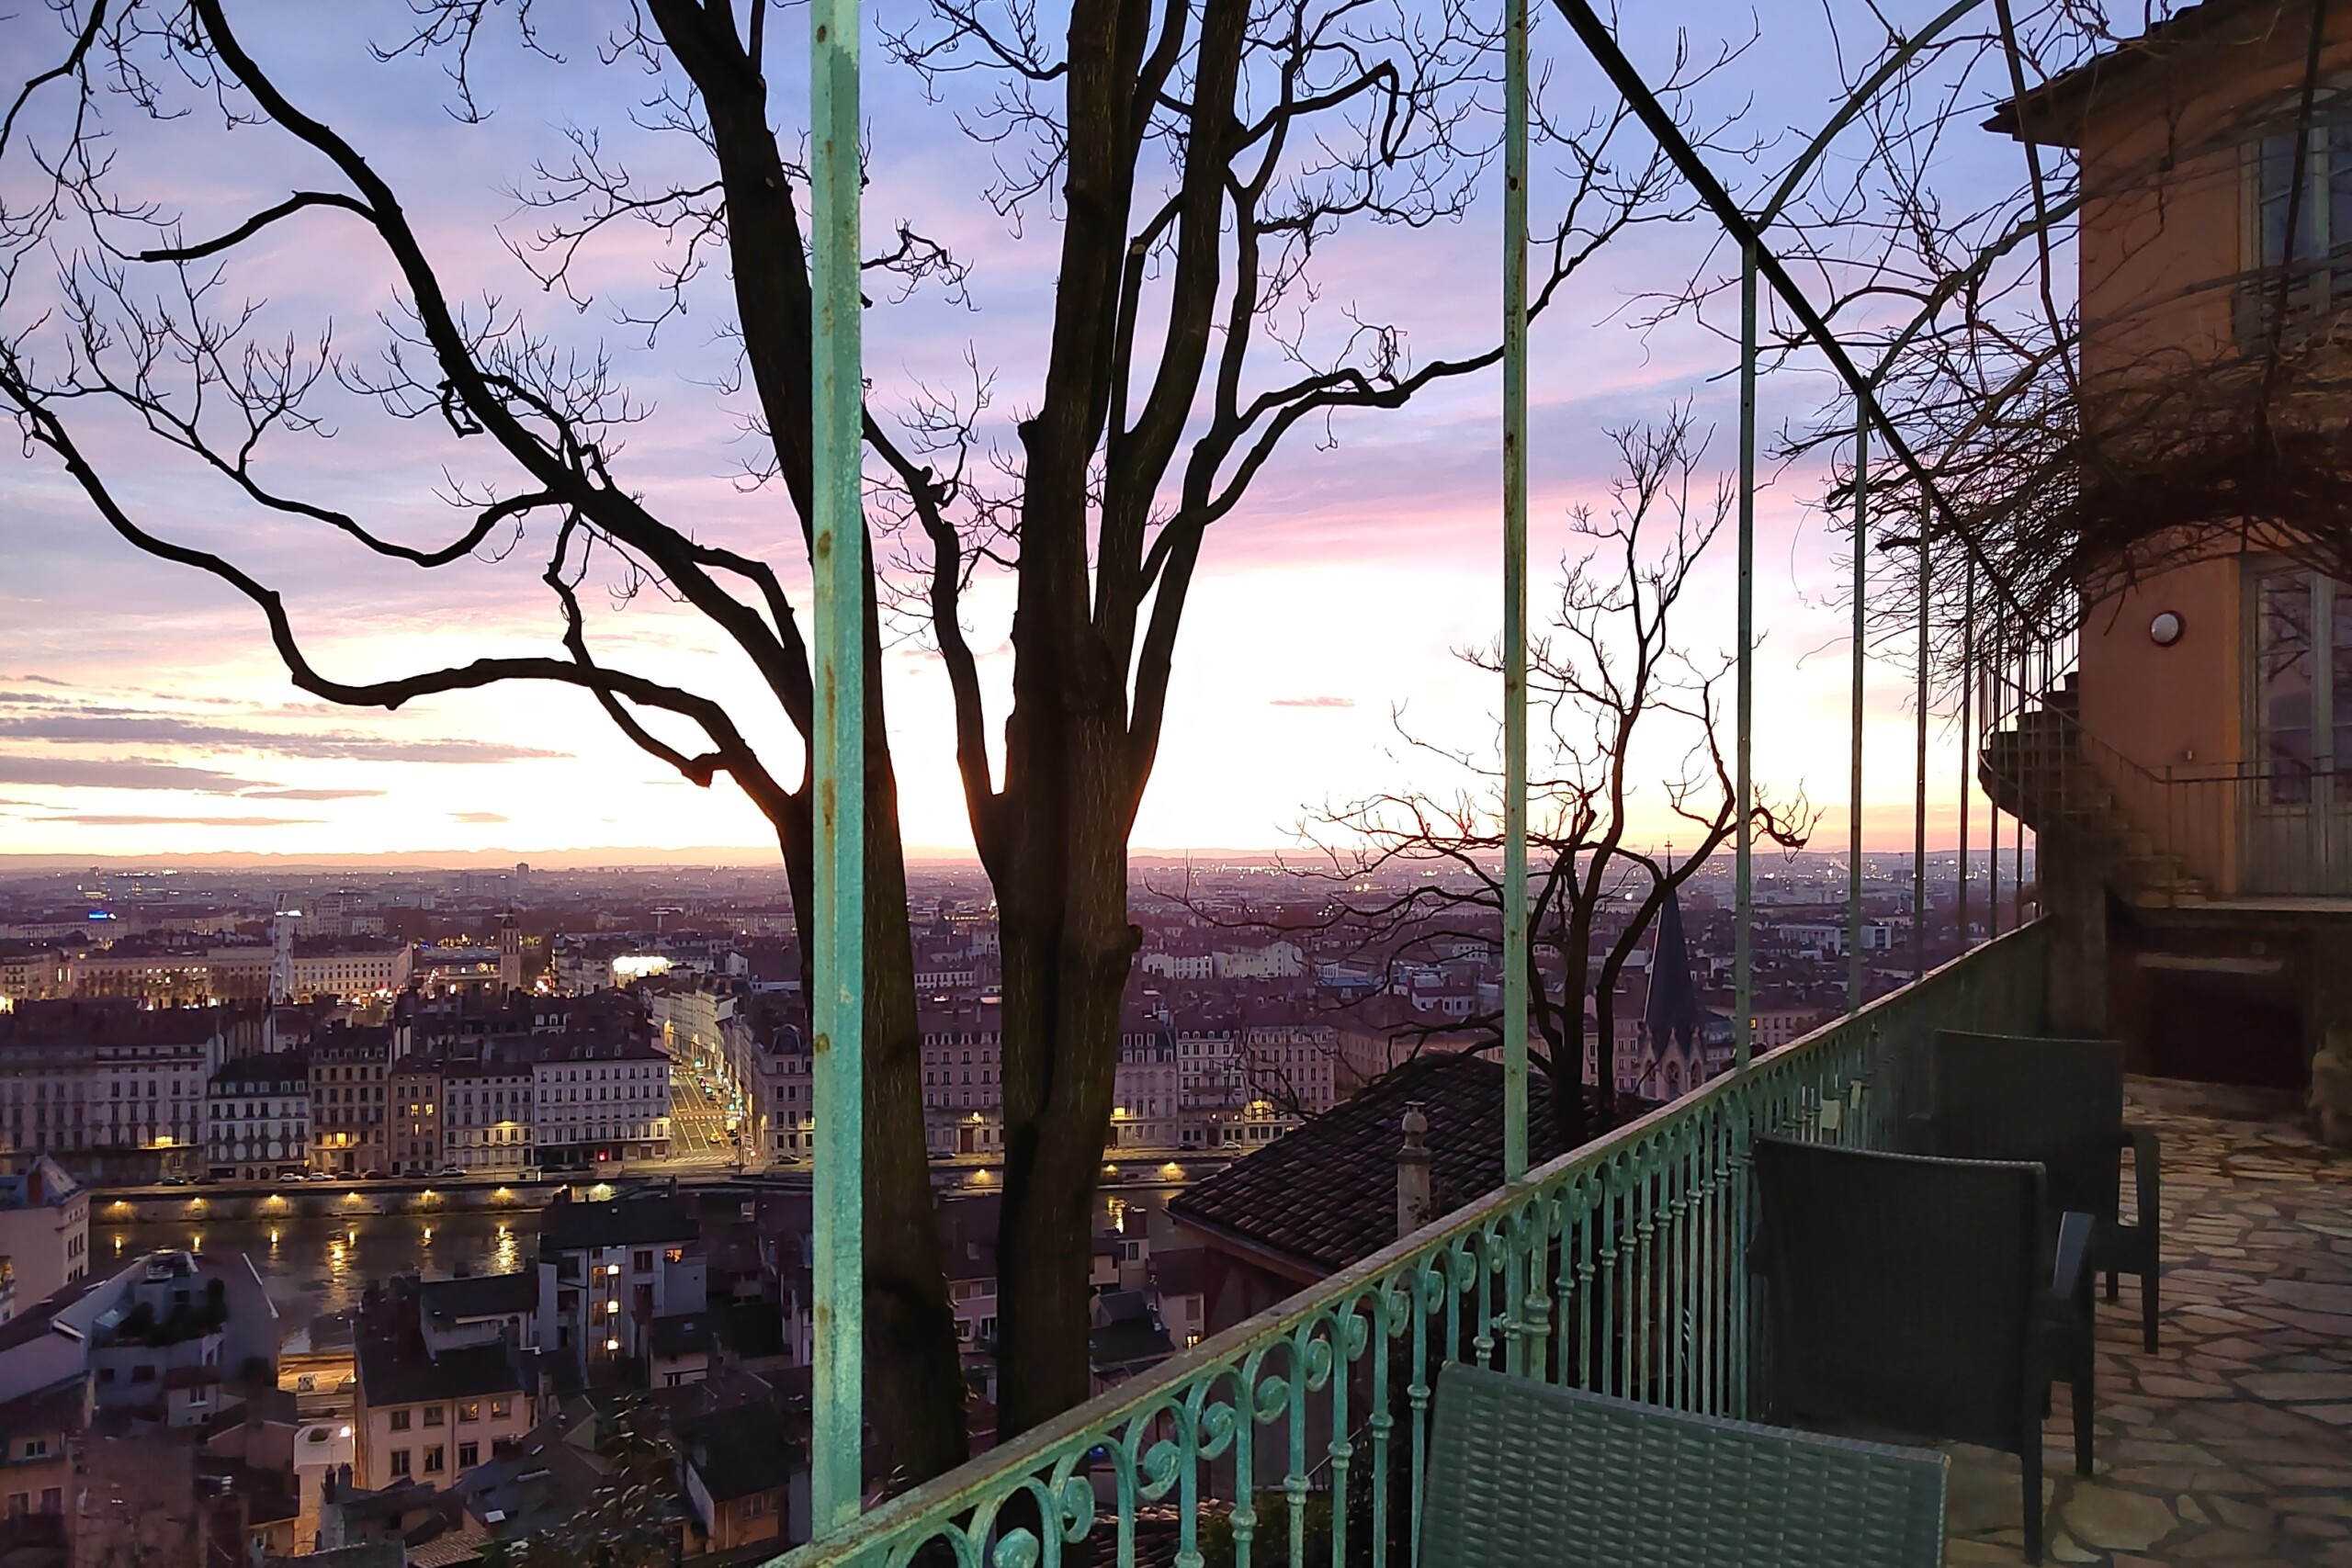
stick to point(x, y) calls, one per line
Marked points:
point(432, 1459)
point(470, 1411)
point(52, 1500)
point(500, 1409)
point(400, 1420)
point(20, 1504)
point(400, 1461)
point(36, 1447)
point(469, 1455)
point(433, 1415)
point(142, 1374)
point(643, 1262)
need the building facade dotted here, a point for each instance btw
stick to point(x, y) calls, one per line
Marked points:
point(349, 1130)
point(258, 1116)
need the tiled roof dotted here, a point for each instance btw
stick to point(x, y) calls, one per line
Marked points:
point(388, 1377)
point(750, 1447)
point(480, 1295)
point(1326, 1195)
point(2057, 108)
point(624, 1222)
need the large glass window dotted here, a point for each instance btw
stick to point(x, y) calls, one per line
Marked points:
point(2324, 221)
point(2303, 681)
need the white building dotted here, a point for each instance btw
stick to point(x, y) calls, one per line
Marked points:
point(1145, 1090)
point(608, 1270)
point(599, 1101)
point(1275, 961)
point(963, 1092)
point(153, 1096)
point(44, 1228)
point(486, 1113)
point(349, 969)
point(258, 1116)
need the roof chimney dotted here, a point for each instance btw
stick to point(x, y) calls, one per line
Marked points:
point(1413, 1205)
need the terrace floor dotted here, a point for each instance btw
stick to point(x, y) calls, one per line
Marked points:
point(2232, 1443)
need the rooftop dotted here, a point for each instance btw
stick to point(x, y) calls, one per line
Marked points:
point(1324, 1196)
point(480, 1295)
point(642, 1220)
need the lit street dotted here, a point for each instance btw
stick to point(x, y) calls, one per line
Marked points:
point(698, 1120)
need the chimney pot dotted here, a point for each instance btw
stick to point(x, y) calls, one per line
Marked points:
point(1414, 1208)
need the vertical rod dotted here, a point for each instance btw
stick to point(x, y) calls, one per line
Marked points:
point(1515, 954)
point(1919, 787)
point(1967, 759)
point(1855, 967)
point(838, 563)
point(1743, 870)
point(2017, 867)
point(1997, 710)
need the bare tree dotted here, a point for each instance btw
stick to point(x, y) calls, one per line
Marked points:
point(142, 321)
point(1610, 663)
point(1193, 156)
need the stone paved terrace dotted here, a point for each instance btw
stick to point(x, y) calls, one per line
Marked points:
point(2232, 1443)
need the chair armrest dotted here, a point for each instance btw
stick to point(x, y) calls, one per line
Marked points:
point(2071, 1276)
point(2146, 1167)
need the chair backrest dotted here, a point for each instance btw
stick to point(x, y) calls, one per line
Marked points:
point(1523, 1472)
point(1902, 1291)
point(2057, 1103)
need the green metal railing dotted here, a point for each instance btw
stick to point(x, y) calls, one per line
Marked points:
point(1299, 1436)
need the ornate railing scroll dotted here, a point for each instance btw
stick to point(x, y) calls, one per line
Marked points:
point(1300, 1437)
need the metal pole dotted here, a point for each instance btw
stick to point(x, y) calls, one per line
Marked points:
point(1515, 592)
point(837, 561)
point(1855, 968)
point(1995, 713)
point(2017, 867)
point(1967, 709)
point(1744, 871)
point(1919, 790)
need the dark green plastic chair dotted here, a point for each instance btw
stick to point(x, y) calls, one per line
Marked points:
point(2059, 1104)
point(1525, 1473)
point(1917, 1295)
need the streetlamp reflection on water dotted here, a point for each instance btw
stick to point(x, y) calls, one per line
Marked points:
point(327, 1263)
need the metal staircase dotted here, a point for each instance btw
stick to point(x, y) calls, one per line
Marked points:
point(2039, 764)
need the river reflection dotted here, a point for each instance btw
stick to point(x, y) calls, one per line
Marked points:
point(322, 1265)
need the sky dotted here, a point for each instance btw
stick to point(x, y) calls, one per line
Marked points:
point(143, 712)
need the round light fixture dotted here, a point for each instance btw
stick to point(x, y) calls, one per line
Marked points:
point(2165, 629)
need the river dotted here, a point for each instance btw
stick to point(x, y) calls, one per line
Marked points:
point(319, 1265)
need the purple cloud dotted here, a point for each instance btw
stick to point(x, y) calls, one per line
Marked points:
point(128, 772)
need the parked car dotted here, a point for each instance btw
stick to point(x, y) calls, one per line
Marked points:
point(172, 1181)
point(375, 1175)
point(453, 1170)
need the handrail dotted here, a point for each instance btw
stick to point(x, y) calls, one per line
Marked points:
point(1618, 1267)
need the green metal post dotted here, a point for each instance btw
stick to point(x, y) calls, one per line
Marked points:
point(1995, 710)
point(1919, 792)
point(837, 769)
point(1515, 594)
point(1743, 870)
point(1855, 970)
point(1967, 712)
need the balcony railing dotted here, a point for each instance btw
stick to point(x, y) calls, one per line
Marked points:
point(1299, 1436)
point(2254, 829)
